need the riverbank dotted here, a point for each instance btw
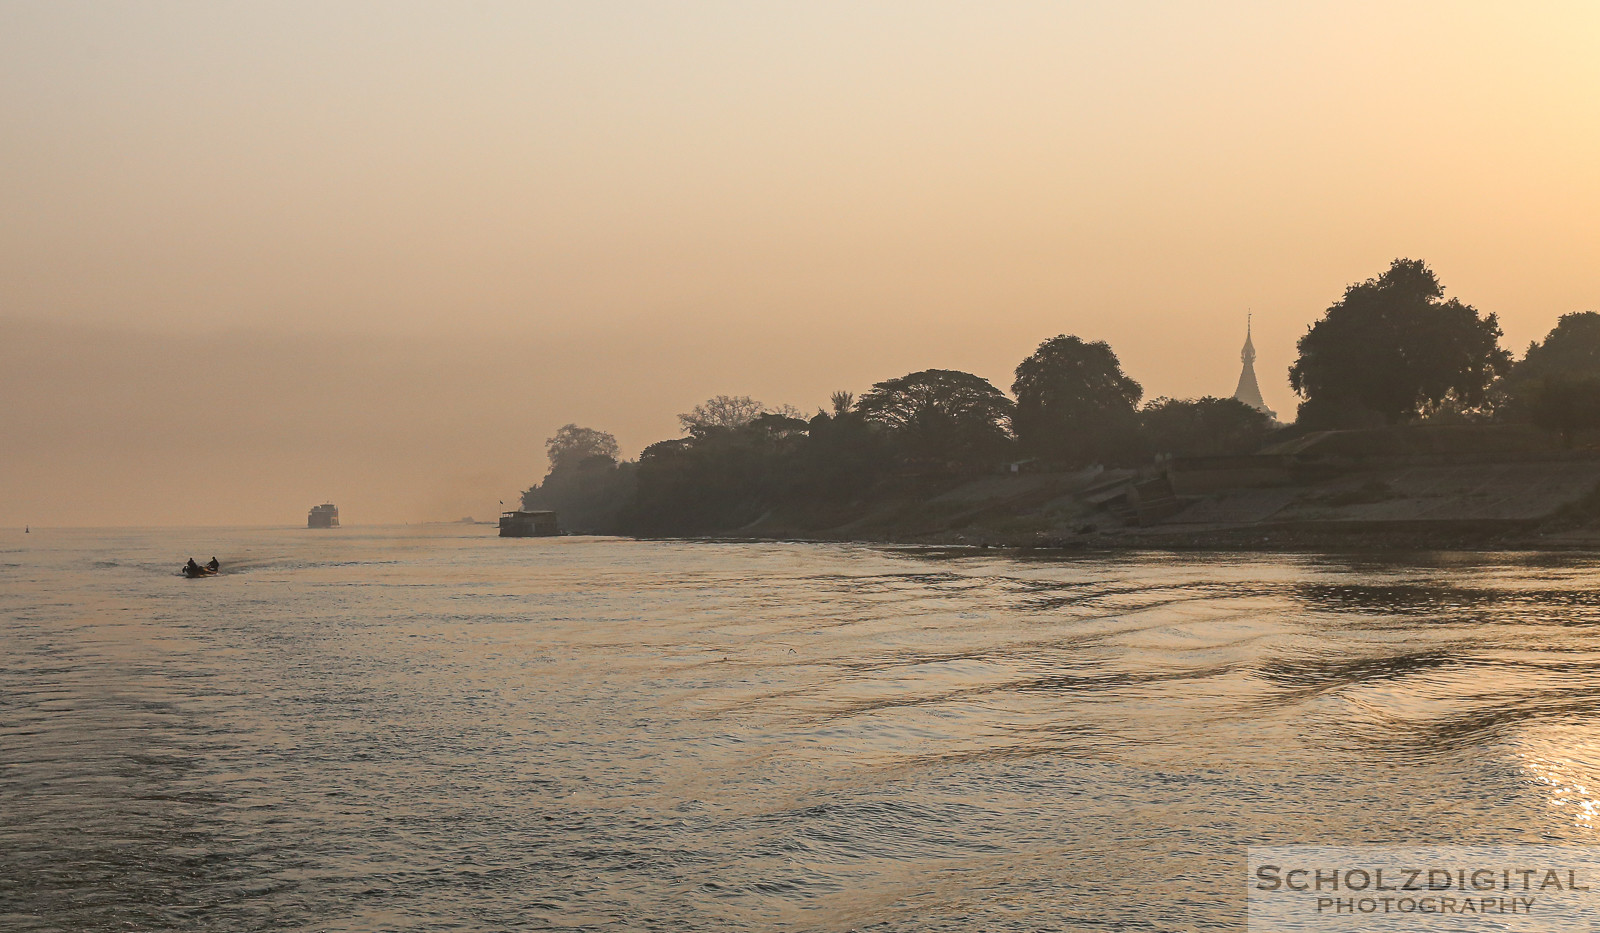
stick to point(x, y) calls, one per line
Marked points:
point(1260, 538)
point(1467, 488)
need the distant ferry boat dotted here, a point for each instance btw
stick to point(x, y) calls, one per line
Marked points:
point(325, 515)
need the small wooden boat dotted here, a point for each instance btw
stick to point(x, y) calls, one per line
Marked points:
point(193, 570)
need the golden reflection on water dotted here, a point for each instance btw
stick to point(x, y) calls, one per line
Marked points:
point(435, 730)
point(1567, 760)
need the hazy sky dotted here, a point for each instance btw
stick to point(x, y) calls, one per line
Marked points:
point(379, 251)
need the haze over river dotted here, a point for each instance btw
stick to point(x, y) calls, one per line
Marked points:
point(430, 728)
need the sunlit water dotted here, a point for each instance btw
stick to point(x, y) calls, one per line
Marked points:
point(434, 729)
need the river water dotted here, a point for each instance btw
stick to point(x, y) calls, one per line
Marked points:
point(430, 728)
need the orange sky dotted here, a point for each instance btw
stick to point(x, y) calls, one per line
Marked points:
point(399, 244)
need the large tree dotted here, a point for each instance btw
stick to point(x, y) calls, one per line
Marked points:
point(1392, 348)
point(585, 483)
point(941, 414)
point(1075, 404)
point(720, 478)
point(1557, 384)
point(1572, 348)
point(720, 412)
point(572, 445)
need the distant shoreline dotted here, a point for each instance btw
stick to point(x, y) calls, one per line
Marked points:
point(1464, 496)
point(1263, 540)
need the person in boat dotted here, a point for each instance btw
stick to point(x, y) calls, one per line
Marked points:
point(192, 568)
point(212, 565)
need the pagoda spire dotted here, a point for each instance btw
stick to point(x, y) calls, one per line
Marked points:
point(1248, 391)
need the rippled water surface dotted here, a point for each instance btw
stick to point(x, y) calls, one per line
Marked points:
point(434, 729)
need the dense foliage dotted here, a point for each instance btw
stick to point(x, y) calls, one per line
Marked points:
point(586, 485)
point(573, 445)
point(740, 463)
point(1556, 385)
point(941, 416)
point(1392, 349)
point(1075, 405)
point(1204, 427)
point(720, 412)
point(1571, 349)
point(719, 479)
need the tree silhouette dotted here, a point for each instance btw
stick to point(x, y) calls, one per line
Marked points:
point(1075, 404)
point(1556, 385)
point(722, 411)
point(941, 414)
point(572, 445)
point(1572, 348)
point(1203, 427)
point(585, 483)
point(1392, 347)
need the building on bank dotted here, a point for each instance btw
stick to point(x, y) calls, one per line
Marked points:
point(522, 523)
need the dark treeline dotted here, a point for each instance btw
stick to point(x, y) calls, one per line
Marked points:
point(1392, 350)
